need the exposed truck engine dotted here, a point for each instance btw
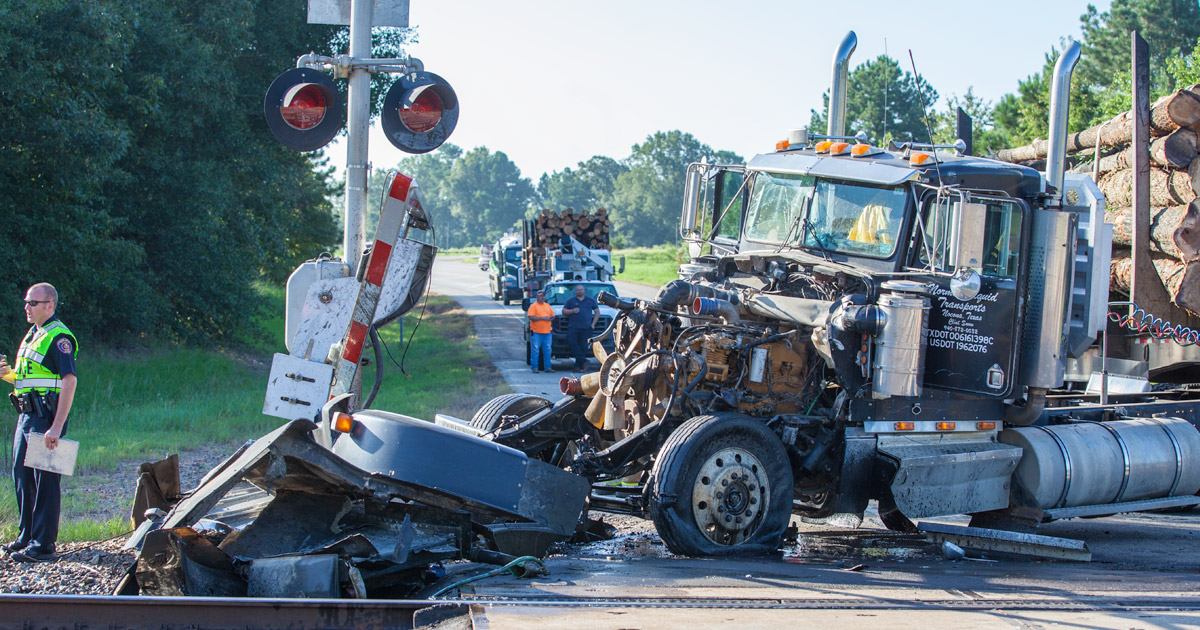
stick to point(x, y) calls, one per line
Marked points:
point(904, 324)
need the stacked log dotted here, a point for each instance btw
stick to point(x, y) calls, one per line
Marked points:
point(591, 229)
point(1174, 187)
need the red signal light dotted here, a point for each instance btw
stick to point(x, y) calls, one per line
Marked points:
point(303, 106)
point(425, 112)
point(303, 109)
point(419, 112)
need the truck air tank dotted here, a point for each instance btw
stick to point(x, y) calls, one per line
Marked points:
point(1097, 463)
point(900, 346)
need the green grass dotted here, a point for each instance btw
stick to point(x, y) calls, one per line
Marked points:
point(459, 251)
point(653, 266)
point(447, 372)
point(137, 405)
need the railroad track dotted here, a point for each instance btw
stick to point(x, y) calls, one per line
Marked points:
point(37, 612)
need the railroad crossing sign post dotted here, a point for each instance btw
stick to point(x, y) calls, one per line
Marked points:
point(420, 111)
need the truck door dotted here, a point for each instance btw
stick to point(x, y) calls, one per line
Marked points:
point(973, 342)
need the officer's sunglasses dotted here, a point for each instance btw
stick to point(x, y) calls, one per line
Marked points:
point(36, 302)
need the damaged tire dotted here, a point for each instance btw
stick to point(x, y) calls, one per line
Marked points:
point(721, 485)
point(507, 408)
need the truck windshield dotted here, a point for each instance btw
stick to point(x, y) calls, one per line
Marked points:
point(855, 218)
point(558, 294)
point(774, 205)
point(512, 255)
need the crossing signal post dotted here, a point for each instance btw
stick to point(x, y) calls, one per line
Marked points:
point(304, 109)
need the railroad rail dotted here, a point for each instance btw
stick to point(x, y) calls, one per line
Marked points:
point(38, 612)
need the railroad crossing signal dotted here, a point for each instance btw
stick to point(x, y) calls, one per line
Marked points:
point(303, 109)
point(419, 112)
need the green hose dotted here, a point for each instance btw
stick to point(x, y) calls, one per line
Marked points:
point(541, 568)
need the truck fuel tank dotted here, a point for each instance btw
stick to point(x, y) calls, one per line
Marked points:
point(1098, 463)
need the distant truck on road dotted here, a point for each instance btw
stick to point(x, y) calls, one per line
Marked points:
point(504, 269)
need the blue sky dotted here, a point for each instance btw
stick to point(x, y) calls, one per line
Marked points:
point(552, 83)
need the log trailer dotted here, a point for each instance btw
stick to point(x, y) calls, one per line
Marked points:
point(904, 324)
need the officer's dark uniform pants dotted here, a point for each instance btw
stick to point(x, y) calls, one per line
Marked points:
point(38, 494)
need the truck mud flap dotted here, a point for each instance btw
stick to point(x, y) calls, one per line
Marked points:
point(952, 477)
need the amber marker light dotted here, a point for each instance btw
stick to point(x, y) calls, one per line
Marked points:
point(782, 145)
point(823, 146)
point(839, 148)
point(343, 422)
point(905, 426)
point(945, 426)
point(920, 159)
point(985, 426)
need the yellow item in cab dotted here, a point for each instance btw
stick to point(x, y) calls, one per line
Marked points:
point(871, 227)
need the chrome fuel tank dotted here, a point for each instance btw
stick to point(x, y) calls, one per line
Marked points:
point(1097, 463)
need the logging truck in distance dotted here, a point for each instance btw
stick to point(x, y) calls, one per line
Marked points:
point(902, 324)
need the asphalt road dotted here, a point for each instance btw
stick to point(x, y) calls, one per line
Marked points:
point(1144, 573)
point(499, 326)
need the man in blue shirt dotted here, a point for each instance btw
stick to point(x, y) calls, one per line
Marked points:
point(582, 313)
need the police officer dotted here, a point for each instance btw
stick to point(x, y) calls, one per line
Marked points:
point(44, 387)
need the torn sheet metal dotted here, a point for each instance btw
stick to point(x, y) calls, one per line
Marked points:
point(384, 529)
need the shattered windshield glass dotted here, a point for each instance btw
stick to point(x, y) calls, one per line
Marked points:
point(855, 218)
point(775, 204)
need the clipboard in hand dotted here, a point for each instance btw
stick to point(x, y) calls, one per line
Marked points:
point(61, 460)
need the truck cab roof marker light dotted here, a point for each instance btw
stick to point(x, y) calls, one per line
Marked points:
point(823, 146)
point(921, 159)
point(839, 148)
point(864, 150)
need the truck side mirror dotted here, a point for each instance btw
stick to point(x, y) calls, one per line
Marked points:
point(621, 269)
point(691, 200)
point(525, 302)
point(967, 224)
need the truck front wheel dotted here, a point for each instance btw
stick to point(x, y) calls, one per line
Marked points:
point(721, 485)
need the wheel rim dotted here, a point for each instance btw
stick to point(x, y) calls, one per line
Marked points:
point(730, 495)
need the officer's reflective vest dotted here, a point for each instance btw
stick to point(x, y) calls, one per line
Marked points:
point(31, 375)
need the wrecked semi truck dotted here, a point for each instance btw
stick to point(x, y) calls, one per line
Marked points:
point(904, 324)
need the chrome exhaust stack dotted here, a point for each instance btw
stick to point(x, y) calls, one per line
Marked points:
point(838, 83)
point(1060, 109)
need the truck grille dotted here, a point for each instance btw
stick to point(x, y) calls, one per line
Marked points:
point(560, 324)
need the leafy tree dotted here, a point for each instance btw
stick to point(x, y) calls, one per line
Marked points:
point(646, 199)
point(139, 176)
point(487, 195)
point(1025, 116)
point(471, 197)
point(1185, 70)
point(986, 138)
point(584, 188)
point(884, 101)
point(1170, 27)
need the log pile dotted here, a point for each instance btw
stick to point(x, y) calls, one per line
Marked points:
point(591, 229)
point(1174, 187)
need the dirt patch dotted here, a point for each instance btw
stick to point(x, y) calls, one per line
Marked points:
point(103, 496)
